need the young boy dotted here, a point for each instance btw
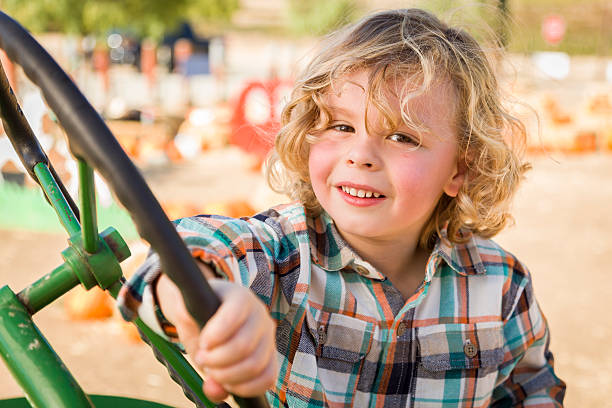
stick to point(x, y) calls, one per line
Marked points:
point(379, 285)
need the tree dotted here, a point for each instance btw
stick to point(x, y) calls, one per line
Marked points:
point(316, 17)
point(146, 18)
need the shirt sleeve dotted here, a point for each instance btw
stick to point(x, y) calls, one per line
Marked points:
point(527, 377)
point(253, 252)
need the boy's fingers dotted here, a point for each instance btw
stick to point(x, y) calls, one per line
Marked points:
point(214, 391)
point(189, 334)
point(246, 369)
point(228, 318)
point(236, 348)
point(170, 300)
point(258, 385)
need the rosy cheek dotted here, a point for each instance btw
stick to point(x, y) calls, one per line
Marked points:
point(411, 179)
point(321, 160)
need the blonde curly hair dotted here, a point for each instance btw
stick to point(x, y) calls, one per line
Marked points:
point(415, 47)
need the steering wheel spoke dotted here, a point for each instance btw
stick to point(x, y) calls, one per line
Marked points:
point(94, 145)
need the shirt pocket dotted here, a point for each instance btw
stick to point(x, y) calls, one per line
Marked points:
point(461, 346)
point(341, 344)
point(461, 359)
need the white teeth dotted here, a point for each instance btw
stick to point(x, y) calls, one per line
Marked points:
point(359, 193)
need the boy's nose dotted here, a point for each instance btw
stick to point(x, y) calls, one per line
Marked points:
point(358, 163)
point(363, 155)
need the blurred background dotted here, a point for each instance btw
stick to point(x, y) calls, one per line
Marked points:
point(193, 89)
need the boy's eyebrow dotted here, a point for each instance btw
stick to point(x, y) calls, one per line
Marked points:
point(339, 109)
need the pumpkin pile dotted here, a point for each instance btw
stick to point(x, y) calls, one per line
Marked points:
point(87, 305)
point(585, 128)
point(229, 208)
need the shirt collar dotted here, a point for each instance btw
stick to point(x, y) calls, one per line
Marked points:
point(331, 252)
point(463, 258)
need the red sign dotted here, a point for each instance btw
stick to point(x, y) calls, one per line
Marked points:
point(256, 134)
point(553, 29)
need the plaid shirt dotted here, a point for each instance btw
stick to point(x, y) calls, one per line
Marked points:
point(472, 335)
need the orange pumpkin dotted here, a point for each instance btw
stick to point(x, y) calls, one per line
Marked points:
point(585, 141)
point(130, 331)
point(600, 104)
point(173, 153)
point(538, 149)
point(86, 305)
point(175, 210)
point(608, 138)
point(557, 115)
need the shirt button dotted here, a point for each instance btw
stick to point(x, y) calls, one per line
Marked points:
point(322, 334)
point(361, 270)
point(470, 349)
point(401, 328)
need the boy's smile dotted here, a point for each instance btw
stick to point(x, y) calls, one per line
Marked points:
point(380, 185)
point(360, 195)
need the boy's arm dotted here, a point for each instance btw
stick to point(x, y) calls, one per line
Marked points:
point(237, 250)
point(527, 376)
point(236, 348)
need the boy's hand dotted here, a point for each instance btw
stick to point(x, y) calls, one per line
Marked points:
point(236, 348)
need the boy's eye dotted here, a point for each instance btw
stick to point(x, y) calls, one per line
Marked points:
point(342, 128)
point(402, 138)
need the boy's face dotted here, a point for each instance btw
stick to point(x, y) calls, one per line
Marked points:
point(379, 184)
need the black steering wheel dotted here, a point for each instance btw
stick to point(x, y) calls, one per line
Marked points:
point(90, 139)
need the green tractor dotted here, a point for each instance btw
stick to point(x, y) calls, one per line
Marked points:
point(92, 258)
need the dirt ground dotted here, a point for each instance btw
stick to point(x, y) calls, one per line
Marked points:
point(563, 222)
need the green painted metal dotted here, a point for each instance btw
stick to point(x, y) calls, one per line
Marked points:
point(88, 269)
point(114, 289)
point(92, 261)
point(100, 401)
point(57, 199)
point(43, 377)
point(48, 288)
point(172, 355)
point(101, 268)
point(115, 242)
point(89, 220)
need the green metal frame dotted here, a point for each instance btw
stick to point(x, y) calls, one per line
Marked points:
point(100, 401)
point(43, 377)
point(91, 259)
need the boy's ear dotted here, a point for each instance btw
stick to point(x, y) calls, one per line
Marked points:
point(457, 180)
